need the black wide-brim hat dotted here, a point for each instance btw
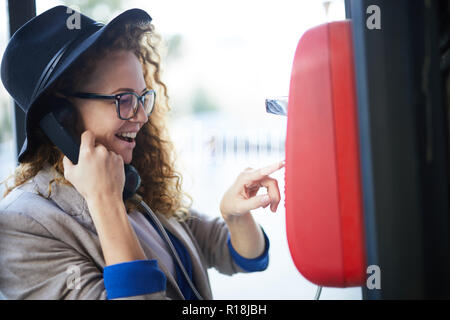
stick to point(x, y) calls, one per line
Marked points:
point(43, 48)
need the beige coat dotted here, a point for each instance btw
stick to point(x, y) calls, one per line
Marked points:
point(41, 240)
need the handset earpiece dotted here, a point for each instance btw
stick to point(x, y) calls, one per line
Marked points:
point(58, 125)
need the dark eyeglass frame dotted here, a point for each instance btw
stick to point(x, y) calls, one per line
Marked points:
point(116, 97)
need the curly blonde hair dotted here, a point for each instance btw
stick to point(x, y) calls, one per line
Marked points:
point(154, 155)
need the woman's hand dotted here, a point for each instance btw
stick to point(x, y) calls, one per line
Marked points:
point(99, 173)
point(99, 177)
point(241, 197)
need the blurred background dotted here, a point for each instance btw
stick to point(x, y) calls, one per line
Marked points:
point(221, 60)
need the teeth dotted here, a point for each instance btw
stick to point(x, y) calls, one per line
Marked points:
point(131, 135)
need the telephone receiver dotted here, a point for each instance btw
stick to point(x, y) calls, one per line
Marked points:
point(59, 126)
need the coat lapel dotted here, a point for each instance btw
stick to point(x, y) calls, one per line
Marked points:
point(64, 196)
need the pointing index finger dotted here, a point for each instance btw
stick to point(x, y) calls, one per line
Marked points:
point(259, 174)
point(256, 175)
point(271, 168)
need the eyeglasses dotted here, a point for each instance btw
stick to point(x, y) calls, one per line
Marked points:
point(127, 103)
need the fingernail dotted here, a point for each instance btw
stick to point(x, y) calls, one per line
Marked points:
point(265, 199)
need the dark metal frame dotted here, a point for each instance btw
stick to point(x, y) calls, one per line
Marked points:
point(19, 13)
point(404, 148)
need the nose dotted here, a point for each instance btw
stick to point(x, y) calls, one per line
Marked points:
point(140, 115)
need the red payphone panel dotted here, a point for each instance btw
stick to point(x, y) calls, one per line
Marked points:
point(324, 220)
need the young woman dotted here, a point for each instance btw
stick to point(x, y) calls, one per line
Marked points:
point(65, 230)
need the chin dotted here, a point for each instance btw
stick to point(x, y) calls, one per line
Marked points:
point(130, 158)
point(126, 159)
point(126, 156)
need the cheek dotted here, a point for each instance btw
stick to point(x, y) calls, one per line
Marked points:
point(80, 126)
point(101, 121)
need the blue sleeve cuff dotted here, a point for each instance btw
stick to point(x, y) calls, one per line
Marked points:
point(133, 278)
point(250, 265)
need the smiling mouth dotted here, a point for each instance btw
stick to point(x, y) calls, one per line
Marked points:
point(126, 136)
